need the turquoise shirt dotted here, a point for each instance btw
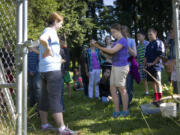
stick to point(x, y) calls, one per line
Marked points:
point(90, 62)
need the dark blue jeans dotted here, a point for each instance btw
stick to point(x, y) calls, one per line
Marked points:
point(129, 88)
point(85, 84)
point(34, 89)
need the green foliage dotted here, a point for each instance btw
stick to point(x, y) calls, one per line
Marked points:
point(38, 12)
point(75, 21)
point(8, 22)
point(143, 14)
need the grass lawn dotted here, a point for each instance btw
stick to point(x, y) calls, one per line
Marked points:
point(91, 117)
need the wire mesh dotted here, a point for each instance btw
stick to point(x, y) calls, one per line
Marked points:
point(7, 65)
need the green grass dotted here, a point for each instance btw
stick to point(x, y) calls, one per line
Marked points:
point(91, 117)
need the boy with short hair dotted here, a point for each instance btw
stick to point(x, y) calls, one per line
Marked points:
point(152, 62)
point(141, 48)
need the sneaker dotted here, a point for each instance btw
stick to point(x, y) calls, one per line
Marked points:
point(98, 98)
point(48, 127)
point(147, 93)
point(68, 131)
point(116, 114)
point(124, 114)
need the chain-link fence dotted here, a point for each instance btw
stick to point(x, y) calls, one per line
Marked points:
point(176, 27)
point(7, 66)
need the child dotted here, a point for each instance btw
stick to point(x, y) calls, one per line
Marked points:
point(104, 86)
point(152, 62)
point(94, 61)
point(78, 83)
point(141, 48)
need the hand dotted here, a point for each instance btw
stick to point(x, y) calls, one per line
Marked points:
point(144, 66)
point(93, 41)
point(102, 52)
point(87, 73)
point(47, 52)
point(150, 64)
point(31, 74)
point(169, 66)
point(63, 60)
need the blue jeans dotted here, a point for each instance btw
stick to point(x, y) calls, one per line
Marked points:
point(129, 88)
point(34, 89)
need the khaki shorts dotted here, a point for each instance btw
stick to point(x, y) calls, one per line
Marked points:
point(118, 76)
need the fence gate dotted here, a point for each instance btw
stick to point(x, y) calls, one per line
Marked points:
point(176, 23)
point(13, 67)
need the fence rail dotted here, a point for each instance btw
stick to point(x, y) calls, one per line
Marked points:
point(7, 67)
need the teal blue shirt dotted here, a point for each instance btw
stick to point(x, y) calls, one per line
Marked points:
point(90, 62)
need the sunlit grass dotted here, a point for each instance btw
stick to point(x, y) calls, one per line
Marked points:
point(91, 117)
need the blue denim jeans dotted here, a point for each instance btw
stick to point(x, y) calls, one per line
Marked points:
point(34, 89)
point(129, 88)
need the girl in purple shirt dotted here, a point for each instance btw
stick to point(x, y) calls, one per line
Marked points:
point(120, 69)
point(94, 70)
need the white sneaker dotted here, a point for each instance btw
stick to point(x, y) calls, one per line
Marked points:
point(68, 131)
point(147, 93)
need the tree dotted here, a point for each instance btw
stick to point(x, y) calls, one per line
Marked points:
point(143, 14)
point(38, 12)
point(76, 25)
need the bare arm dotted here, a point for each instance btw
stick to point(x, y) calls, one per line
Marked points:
point(145, 62)
point(133, 51)
point(44, 42)
point(35, 50)
point(107, 56)
point(113, 50)
point(156, 60)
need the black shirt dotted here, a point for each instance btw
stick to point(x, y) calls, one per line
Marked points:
point(154, 50)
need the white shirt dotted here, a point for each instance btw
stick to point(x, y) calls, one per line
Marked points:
point(50, 63)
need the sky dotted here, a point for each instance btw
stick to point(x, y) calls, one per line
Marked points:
point(108, 2)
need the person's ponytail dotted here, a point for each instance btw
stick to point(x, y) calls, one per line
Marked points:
point(124, 31)
point(121, 28)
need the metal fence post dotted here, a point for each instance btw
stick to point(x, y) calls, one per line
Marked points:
point(18, 66)
point(25, 53)
point(176, 4)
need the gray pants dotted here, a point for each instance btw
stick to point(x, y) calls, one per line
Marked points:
point(51, 91)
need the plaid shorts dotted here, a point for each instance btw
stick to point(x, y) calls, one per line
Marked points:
point(143, 74)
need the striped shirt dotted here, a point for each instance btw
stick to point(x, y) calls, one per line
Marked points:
point(141, 48)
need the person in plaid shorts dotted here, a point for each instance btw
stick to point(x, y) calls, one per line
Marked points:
point(141, 48)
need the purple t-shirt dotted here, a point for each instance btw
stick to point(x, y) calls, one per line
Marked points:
point(95, 61)
point(120, 58)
